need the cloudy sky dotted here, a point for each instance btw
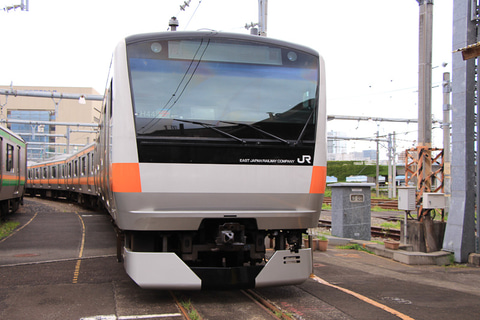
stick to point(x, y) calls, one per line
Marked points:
point(370, 47)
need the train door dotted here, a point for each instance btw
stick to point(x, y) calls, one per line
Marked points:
point(108, 148)
point(69, 175)
point(76, 176)
point(10, 165)
point(17, 172)
point(1, 163)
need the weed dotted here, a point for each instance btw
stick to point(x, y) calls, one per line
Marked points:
point(453, 264)
point(186, 304)
point(380, 209)
point(451, 258)
point(326, 206)
point(355, 246)
point(192, 313)
point(390, 225)
point(6, 228)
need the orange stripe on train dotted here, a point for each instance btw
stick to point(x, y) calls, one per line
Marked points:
point(126, 177)
point(319, 179)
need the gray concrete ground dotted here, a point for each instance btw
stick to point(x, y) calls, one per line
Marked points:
point(39, 264)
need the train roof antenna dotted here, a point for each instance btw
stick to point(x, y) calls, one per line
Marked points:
point(173, 23)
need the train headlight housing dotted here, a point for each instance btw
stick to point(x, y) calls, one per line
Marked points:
point(292, 56)
point(156, 47)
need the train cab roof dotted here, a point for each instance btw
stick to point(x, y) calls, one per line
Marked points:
point(169, 35)
point(5, 131)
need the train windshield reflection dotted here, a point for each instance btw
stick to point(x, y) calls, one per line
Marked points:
point(203, 85)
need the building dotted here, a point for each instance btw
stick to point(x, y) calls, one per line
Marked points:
point(46, 140)
point(336, 146)
point(369, 154)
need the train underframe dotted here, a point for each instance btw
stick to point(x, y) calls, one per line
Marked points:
point(9, 206)
point(88, 200)
point(224, 253)
point(220, 254)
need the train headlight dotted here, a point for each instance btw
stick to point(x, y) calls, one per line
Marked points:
point(292, 56)
point(156, 47)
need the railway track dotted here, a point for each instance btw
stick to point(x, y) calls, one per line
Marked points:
point(382, 203)
point(211, 305)
point(376, 232)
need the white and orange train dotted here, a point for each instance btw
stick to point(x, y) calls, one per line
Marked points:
point(13, 155)
point(209, 144)
point(69, 176)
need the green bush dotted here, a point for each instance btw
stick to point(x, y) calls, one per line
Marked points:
point(344, 169)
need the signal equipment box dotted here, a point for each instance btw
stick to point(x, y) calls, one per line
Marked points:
point(433, 200)
point(407, 198)
point(351, 215)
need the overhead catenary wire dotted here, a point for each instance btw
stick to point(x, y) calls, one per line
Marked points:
point(166, 107)
point(193, 14)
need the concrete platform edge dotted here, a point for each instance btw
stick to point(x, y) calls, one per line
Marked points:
point(439, 258)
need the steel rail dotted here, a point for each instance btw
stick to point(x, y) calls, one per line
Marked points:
point(377, 232)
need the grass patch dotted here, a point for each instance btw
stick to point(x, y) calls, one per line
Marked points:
point(326, 206)
point(192, 313)
point(390, 225)
point(6, 228)
point(355, 246)
point(380, 209)
point(453, 264)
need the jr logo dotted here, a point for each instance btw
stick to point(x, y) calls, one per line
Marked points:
point(305, 159)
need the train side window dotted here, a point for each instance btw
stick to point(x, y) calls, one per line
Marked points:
point(62, 170)
point(45, 173)
point(69, 169)
point(83, 165)
point(18, 160)
point(92, 162)
point(89, 164)
point(110, 99)
point(9, 163)
point(37, 173)
point(75, 168)
point(54, 172)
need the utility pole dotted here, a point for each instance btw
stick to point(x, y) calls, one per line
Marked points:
point(425, 84)
point(392, 167)
point(394, 153)
point(425, 112)
point(460, 231)
point(22, 6)
point(262, 17)
point(425, 73)
point(377, 171)
point(390, 163)
point(262, 20)
point(446, 138)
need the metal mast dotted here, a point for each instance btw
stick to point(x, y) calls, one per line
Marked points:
point(460, 230)
point(262, 17)
point(425, 73)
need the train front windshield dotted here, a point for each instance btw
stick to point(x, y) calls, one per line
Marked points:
point(221, 101)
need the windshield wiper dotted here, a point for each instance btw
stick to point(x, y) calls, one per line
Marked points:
point(209, 126)
point(258, 129)
point(300, 137)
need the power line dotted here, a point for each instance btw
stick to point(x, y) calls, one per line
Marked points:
point(199, 2)
point(23, 6)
